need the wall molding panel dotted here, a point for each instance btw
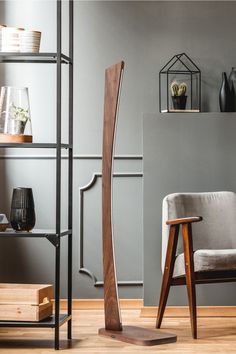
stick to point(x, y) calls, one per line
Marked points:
point(75, 157)
point(82, 268)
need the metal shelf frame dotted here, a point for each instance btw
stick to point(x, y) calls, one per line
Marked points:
point(35, 145)
point(47, 323)
point(34, 233)
point(53, 236)
point(49, 58)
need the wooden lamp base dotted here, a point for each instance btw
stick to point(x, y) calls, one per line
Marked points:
point(139, 336)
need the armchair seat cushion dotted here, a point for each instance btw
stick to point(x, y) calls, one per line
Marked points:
point(208, 260)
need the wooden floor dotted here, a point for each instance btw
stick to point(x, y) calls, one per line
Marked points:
point(216, 335)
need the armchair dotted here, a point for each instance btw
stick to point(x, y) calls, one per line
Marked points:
point(207, 253)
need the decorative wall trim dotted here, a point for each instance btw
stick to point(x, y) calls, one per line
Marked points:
point(117, 157)
point(98, 304)
point(75, 157)
point(183, 311)
point(82, 268)
point(151, 311)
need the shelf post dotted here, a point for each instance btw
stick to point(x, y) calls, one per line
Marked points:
point(58, 179)
point(70, 169)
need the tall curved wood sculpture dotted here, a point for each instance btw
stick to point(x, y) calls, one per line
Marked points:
point(113, 325)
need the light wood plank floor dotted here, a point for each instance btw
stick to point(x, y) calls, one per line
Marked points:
point(216, 335)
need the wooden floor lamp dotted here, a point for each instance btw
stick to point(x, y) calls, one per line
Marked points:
point(113, 326)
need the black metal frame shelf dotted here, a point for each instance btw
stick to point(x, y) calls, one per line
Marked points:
point(48, 58)
point(34, 233)
point(47, 323)
point(54, 236)
point(35, 145)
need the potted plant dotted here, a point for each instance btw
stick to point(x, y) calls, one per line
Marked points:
point(19, 117)
point(178, 92)
point(15, 118)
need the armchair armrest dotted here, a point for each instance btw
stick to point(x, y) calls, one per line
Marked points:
point(187, 220)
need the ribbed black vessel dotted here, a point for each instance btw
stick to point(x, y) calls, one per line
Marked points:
point(22, 209)
point(232, 86)
point(225, 95)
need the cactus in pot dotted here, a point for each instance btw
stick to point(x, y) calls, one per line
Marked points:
point(174, 88)
point(179, 97)
point(182, 89)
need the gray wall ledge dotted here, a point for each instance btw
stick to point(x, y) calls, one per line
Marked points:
point(184, 153)
point(199, 115)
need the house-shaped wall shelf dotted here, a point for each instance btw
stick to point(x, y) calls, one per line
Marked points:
point(180, 69)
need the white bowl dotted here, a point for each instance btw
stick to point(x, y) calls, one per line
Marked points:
point(13, 39)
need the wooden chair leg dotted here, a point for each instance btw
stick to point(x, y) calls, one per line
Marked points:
point(190, 277)
point(168, 272)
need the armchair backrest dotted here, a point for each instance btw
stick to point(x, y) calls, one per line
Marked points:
point(218, 228)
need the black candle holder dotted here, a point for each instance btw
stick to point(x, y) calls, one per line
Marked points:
point(22, 209)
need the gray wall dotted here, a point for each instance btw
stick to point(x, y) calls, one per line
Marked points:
point(184, 153)
point(145, 35)
point(32, 260)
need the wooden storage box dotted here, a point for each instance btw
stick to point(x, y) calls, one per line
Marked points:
point(25, 302)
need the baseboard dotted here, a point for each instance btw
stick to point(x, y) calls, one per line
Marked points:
point(183, 311)
point(98, 304)
point(151, 311)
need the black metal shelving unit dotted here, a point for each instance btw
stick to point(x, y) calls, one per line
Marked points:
point(48, 58)
point(54, 236)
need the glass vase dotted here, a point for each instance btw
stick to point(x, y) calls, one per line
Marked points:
point(15, 118)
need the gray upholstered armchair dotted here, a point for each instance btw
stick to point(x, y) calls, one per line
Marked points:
point(207, 251)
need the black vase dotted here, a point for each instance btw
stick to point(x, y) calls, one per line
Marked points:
point(22, 209)
point(232, 87)
point(225, 95)
point(179, 102)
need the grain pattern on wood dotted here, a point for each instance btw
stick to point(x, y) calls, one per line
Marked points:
point(25, 312)
point(190, 277)
point(33, 294)
point(25, 302)
point(97, 304)
point(168, 271)
point(211, 277)
point(139, 336)
point(216, 335)
point(113, 77)
point(7, 138)
point(183, 311)
point(184, 220)
point(111, 301)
